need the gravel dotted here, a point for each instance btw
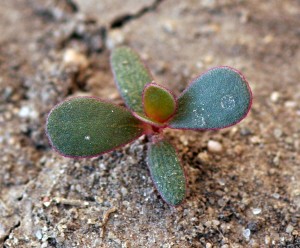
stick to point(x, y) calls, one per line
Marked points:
point(51, 50)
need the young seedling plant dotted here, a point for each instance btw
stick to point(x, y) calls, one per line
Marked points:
point(86, 126)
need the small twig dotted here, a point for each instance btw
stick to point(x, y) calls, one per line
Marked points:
point(105, 219)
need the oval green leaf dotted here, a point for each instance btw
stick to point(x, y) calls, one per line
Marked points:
point(167, 172)
point(219, 98)
point(159, 103)
point(131, 75)
point(86, 127)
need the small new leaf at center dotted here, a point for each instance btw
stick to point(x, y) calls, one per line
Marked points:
point(159, 103)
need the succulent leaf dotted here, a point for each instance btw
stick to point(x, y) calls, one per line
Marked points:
point(159, 103)
point(167, 172)
point(216, 99)
point(86, 127)
point(131, 75)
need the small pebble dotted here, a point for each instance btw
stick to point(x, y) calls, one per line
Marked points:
point(277, 133)
point(124, 191)
point(247, 233)
point(276, 159)
point(268, 39)
point(208, 59)
point(115, 38)
point(184, 140)
point(208, 224)
point(214, 146)
point(28, 112)
point(267, 240)
point(275, 96)
point(221, 203)
point(8, 91)
point(256, 211)
point(44, 245)
point(204, 157)
point(289, 228)
point(73, 57)
point(208, 245)
point(290, 104)
point(39, 235)
point(238, 150)
point(255, 140)
point(215, 223)
point(221, 181)
point(289, 140)
point(47, 204)
point(233, 131)
point(199, 64)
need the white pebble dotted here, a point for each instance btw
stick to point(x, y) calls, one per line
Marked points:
point(256, 211)
point(255, 140)
point(289, 228)
point(215, 223)
point(124, 191)
point(73, 57)
point(290, 104)
point(39, 235)
point(246, 233)
point(208, 245)
point(28, 112)
point(214, 146)
point(47, 204)
point(275, 96)
point(44, 245)
point(208, 223)
point(267, 240)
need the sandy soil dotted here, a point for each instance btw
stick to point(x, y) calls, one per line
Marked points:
point(247, 195)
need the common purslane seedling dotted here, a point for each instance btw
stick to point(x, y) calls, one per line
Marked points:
point(87, 127)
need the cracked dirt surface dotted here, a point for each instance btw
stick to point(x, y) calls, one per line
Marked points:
point(246, 196)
